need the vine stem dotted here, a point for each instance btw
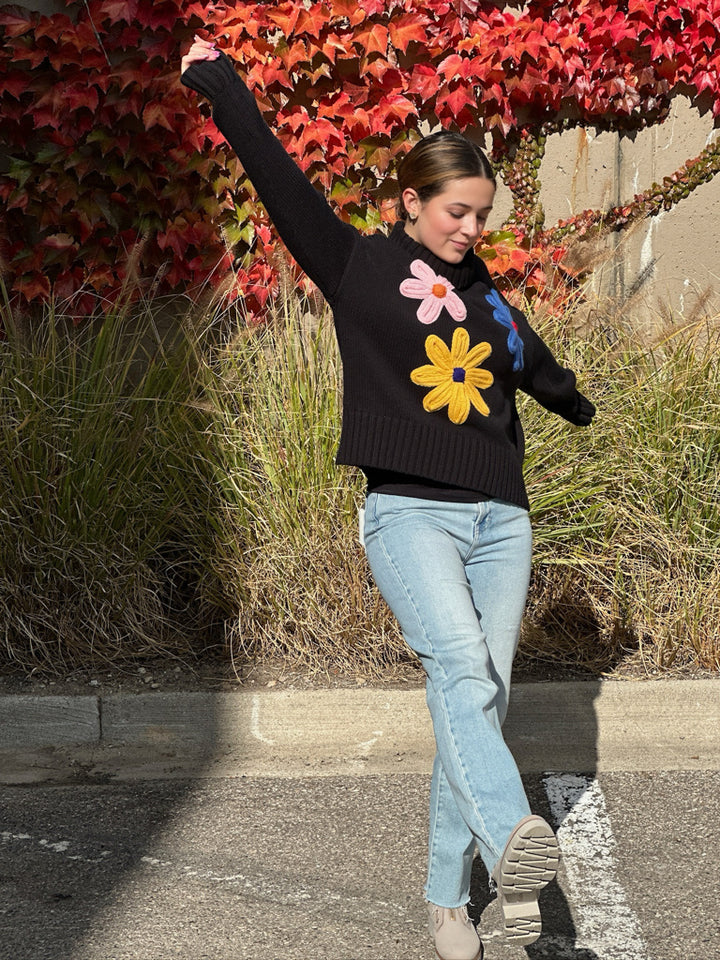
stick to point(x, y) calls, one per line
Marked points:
point(97, 34)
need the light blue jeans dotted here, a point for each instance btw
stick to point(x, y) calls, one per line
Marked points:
point(455, 575)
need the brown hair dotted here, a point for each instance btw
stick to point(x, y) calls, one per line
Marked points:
point(437, 159)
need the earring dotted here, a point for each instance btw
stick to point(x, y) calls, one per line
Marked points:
point(413, 219)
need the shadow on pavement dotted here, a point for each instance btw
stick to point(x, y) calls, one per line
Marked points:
point(574, 733)
point(94, 870)
point(71, 851)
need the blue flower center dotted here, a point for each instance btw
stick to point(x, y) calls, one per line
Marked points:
point(458, 375)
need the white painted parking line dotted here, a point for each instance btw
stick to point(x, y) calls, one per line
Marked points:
point(52, 846)
point(604, 921)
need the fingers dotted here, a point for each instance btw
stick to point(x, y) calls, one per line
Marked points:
point(200, 50)
point(199, 42)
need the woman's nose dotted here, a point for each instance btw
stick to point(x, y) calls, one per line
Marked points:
point(469, 227)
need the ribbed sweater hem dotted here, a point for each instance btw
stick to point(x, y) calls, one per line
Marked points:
point(373, 440)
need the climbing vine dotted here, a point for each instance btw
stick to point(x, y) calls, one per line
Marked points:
point(111, 172)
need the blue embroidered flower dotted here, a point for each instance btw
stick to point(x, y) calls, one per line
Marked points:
point(501, 312)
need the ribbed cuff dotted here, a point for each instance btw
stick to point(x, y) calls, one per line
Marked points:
point(210, 77)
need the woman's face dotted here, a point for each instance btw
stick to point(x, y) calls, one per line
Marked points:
point(450, 223)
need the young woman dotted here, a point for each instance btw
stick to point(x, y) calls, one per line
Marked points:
point(432, 358)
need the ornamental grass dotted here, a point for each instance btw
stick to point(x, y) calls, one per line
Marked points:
point(102, 550)
point(180, 499)
point(627, 513)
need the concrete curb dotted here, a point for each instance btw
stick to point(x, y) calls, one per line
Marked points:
point(575, 726)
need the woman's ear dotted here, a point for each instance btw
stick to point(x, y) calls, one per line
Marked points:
point(411, 203)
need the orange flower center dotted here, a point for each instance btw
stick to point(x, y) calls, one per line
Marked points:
point(439, 290)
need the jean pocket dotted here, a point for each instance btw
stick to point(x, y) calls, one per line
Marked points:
point(383, 509)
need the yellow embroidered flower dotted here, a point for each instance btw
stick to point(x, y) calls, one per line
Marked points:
point(453, 375)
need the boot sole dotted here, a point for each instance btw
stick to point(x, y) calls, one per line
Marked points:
point(529, 862)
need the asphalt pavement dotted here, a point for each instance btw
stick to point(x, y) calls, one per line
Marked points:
point(291, 825)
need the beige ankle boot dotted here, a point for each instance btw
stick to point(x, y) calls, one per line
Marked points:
point(454, 934)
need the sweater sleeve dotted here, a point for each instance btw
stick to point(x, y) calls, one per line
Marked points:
point(544, 379)
point(320, 242)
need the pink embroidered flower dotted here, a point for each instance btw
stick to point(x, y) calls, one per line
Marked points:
point(435, 292)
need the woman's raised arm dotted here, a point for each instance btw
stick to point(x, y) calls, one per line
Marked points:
point(317, 238)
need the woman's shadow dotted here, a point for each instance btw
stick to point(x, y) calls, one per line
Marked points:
point(559, 740)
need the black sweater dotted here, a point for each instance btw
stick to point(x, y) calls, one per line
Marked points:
point(432, 354)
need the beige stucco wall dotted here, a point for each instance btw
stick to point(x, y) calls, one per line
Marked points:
point(666, 265)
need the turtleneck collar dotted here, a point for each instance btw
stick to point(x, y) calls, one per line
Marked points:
point(460, 275)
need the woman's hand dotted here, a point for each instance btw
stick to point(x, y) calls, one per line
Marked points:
point(200, 50)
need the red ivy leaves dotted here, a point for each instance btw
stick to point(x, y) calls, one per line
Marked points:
point(106, 148)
